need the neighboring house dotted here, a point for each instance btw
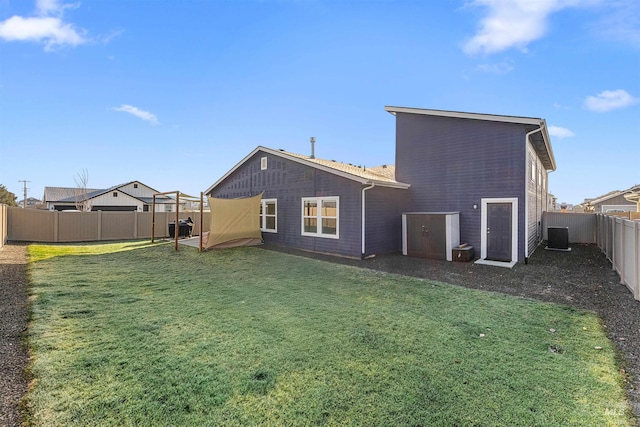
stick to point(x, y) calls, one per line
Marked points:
point(32, 203)
point(613, 201)
point(491, 170)
point(132, 196)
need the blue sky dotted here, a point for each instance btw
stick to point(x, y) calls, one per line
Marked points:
point(175, 93)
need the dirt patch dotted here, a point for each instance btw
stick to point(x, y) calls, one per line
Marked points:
point(13, 324)
point(582, 278)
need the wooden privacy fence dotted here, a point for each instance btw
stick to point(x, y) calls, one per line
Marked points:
point(616, 236)
point(32, 225)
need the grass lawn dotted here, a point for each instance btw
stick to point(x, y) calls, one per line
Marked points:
point(137, 334)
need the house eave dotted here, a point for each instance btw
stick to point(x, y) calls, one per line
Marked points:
point(542, 145)
point(463, 115)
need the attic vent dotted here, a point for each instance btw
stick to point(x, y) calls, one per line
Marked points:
point(263, 163)
point(135, 185)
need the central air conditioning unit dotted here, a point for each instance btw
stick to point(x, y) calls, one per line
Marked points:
point(558, 239)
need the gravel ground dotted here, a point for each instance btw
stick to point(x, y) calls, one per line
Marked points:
point(13, 323)
point(582, 278)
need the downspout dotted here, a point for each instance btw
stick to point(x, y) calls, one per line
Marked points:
point(363, 218)
point(526, 192)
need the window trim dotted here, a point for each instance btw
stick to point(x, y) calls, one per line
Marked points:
point(263, 163)
point(263, 216)
point(319, 217)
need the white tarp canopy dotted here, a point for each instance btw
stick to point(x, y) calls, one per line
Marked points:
point(234, 222)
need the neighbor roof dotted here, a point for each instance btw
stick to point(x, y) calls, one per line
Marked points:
point(540, 140)
point(612, 194)
point(68, 194)
point(58, 194)
point(383, 176)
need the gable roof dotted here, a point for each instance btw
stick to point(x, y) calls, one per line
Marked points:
point(612, 194)
point(539, 140)
point(118, 187)
point(383, 176)
point(68, 194)
point(59, 194)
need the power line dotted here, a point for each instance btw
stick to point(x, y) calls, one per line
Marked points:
point(24, 201)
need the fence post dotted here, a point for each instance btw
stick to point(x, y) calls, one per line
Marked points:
point(99, 225)
point(56, 225)
point(622, 266)
point(636, 257)
point(135, 224)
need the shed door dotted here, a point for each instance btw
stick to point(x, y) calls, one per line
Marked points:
point(426, 236)
point(499, 231)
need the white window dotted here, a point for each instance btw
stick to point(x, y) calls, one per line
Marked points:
point(533, 171)
point(263, 163)
point(269, 215)
point(320, 217)
point(540, 175)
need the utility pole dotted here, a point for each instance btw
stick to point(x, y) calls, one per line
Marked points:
point(24, 201)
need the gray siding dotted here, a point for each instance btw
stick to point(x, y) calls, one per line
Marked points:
point(618, 200)
point(289, 182)
point(453, 163)
point(536, 178)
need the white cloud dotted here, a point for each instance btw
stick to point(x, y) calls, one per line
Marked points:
point(141, 114)
point(619, 21)
point(53, 7)
point(47, 28)
point(513, 23)
point(560, 132)
point(609, 100)
point(499, 68)
point(50, 31)
point(114, 34)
